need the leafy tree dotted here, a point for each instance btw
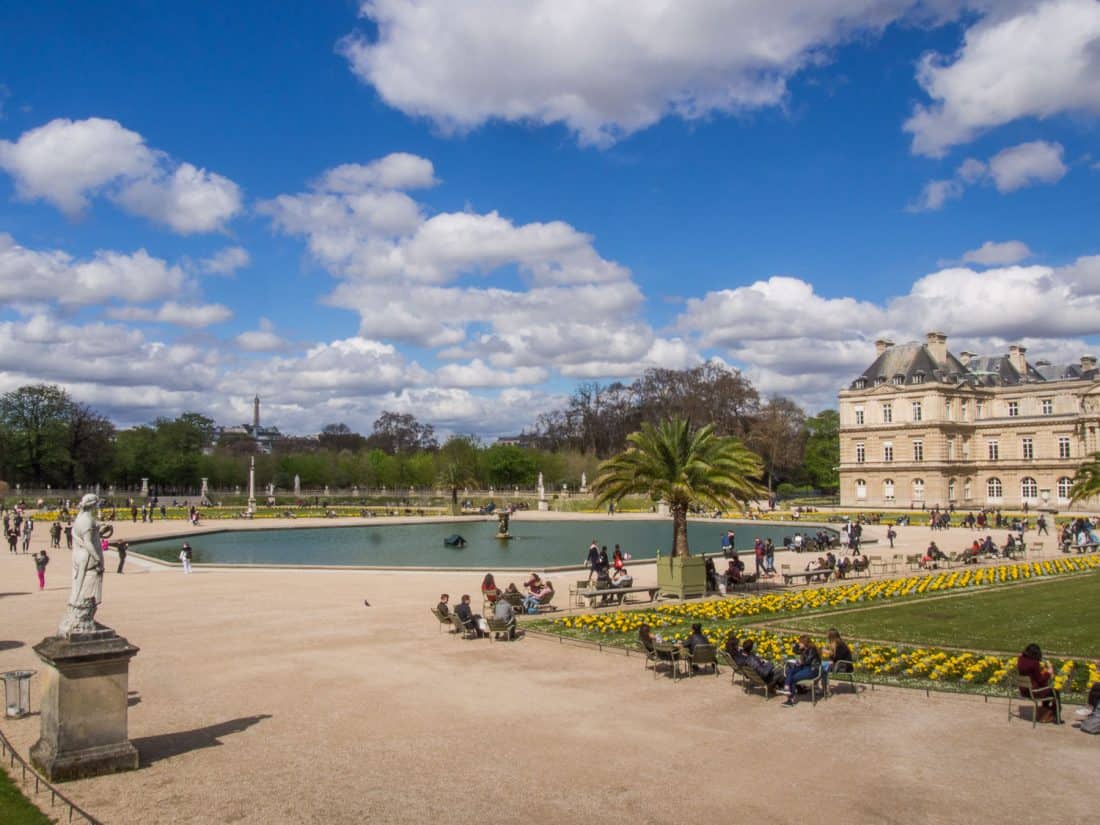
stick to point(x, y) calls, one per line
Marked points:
point(776, 434)
point(36, 419)
point(401, 433)
point(1086, 481)
point(452, 476)
point(681, 465)
point(822, 452)
point(340, 437)
point(506, 465)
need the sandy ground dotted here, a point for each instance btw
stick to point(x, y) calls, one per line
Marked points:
point(276, 696)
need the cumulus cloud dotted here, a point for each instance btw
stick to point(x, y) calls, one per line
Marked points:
point(263, 339)
point(55, 276)
point(226, 261)
point(66, 163)
point(1025, 164)
point(606, 69)
point(182, 315)
point(992, 253)
point(1022, 60)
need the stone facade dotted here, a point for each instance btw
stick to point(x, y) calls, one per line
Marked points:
point(922, 427)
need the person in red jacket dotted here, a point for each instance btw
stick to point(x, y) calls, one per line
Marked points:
point(1030, 664)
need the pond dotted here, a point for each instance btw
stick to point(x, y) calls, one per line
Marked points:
point(535, 544)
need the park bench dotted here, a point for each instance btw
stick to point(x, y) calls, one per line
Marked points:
point(618, 594)
point(806, 575)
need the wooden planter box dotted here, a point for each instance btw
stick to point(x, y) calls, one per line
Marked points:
point(680, 576)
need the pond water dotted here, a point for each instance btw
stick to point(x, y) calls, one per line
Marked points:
point(535, 544)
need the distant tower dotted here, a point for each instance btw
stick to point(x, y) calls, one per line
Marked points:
point(256, 414)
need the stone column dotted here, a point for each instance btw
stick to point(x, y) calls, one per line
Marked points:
point(252, 485)
point(145, 487)
point(84, 706)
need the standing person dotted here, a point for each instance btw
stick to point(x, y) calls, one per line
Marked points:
point(55, 535)
point(28, 529)
point(40, 562)
point(759, 553)
point(13, 540)
point(133, 513)
point(891, 534)
point(593, 559)
point(1041, 524)
point(617, 560)
point(185, 557)
point(69, 536)
point(121, 547)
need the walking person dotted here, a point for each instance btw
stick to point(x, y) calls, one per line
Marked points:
point(1041, 524)
point(40, 562)
point(592, 561)
point(185, 557)
point(69, 536)
point(891, 534)
point(55, 536)
point(13, 541)
point(28, 529)
point(121, 547)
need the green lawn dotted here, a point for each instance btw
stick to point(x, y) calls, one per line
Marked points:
point(14, 807)
point(1061, 616)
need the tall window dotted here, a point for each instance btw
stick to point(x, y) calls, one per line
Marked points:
point(994, 489)
point(1013, 408)
point(859, 416)
point(916, 411)
point(1028, 488)
point(887, 452)
point(918, 489)
point(964, 410)
point(947, 408)
point(1027, 449)
point(966, 449)
point(951, 490)
point(951, 448)
point(1048, 406)
point(861, 453)
point(887, 413)
point(888, 489)
point(967, 490)
point(861, 488)
point(918, 451)
point(994, 451)
point(1063, 447)
point(1064, 485)
point(979, 408)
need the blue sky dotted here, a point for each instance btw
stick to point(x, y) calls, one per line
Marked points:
point(462, 209)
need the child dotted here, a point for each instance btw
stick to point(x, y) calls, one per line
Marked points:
point(40, 562)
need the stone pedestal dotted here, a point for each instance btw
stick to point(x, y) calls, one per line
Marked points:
point(544, 505)
point(85, 685)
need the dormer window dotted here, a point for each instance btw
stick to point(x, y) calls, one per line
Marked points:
point(899, 379)
point(918, 378)
point(861, 384)
point(880, 381)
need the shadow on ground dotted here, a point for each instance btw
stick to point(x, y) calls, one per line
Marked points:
point(20, 593)
point(10, 645)
point(152, 749)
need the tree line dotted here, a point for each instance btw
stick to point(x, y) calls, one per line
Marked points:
point(47, 439)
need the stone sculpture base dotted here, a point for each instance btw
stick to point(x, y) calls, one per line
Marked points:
point(84, 706)
point(544, 505)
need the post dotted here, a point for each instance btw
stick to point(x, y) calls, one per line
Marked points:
point(252, 485)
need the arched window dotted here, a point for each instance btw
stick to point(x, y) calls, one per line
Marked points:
point(861, 488)
point(994, 489)
point(951, 490)
point(967, 491)
point(888, 489)
point(1065, 483)
point(1028, 488)
point(918, 489)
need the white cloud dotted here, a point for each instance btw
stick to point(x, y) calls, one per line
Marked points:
point(226, 261)
point(477, 373)
point(1024, 164)
point(1028, 163)
point(1024, 60)
point(182, 315)
point(31, 275)
point(399, 170)
point(603, 69)
point(992, 253)
point(264, 339)
point(66, 163)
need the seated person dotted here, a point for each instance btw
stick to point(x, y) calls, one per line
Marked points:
point(467, 618)
point(809, 661)
point(711, 573)
point(536, 599)
point(442, 607)
point(842, 567)
point(503, 612)
point(830, 560)
point(511, 589)
point(534, 584)
point(860, 564)
point(767, 671)
point(489, 590)
point(1030, 664)
point(603, 582)
point(733, 650)
point(838, 652)
point(696, 638)
point(649, 642)
point(988, 547)
point(620, 578)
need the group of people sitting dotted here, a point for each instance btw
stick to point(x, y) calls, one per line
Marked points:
point(1078, 535)
point(830, 565)
point(805, 663)
point(536, 593)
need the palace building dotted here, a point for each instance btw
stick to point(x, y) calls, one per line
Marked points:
point(923, 427)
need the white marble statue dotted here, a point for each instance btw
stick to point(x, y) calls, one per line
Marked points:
point(87, 590)
point(542, 490)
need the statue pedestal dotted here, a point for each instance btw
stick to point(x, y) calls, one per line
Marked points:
point(84, 706)
point(544, 505)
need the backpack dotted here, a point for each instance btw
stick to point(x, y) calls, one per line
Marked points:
point(1091, 723)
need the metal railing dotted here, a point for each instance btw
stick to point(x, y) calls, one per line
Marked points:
point(8, 752)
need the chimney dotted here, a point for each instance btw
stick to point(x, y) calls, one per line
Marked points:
point(882, 344)
point(937, 347)
point(1016, 358)
point(964, 357)
point(1088, 362)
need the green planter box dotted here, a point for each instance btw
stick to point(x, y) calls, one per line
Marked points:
point(682, 577)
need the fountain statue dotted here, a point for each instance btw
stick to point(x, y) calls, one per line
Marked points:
point(297, 485)
point(584, 482)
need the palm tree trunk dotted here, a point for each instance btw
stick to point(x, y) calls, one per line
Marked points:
point(454, 502)
point(679, 530)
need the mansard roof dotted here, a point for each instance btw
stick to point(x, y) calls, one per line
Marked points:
point(913, 364)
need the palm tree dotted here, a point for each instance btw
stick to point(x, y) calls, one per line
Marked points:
point(1086, 482)
point(681, 465)
point(455, 475)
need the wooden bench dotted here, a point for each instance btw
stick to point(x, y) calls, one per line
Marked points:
point(619, 594)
